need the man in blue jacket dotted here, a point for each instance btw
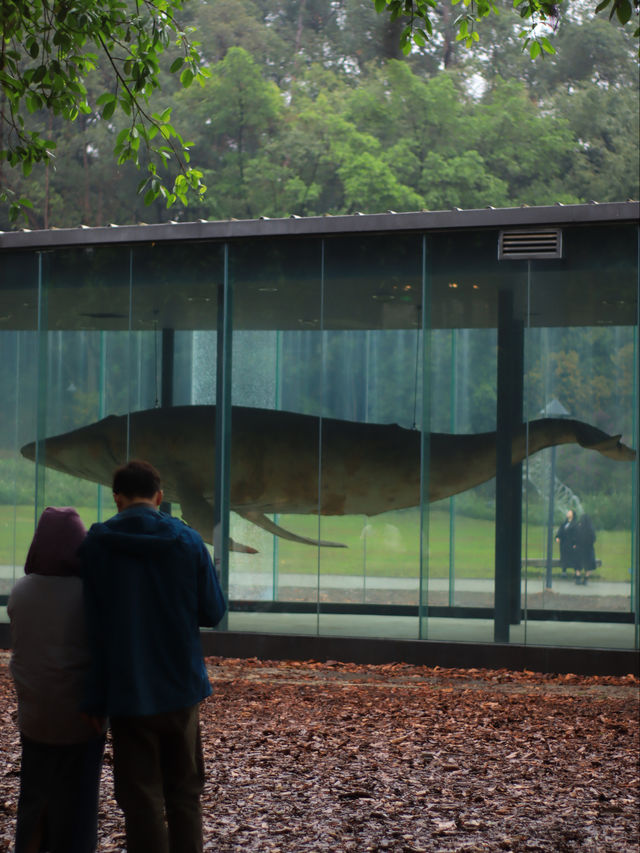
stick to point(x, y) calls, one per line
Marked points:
point(149, 583)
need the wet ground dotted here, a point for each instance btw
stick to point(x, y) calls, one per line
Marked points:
point(308, 756)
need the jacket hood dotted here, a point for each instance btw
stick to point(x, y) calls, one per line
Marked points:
point(137, 531)
point(53, 551)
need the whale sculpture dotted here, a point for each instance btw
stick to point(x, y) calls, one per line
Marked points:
point(282, 462)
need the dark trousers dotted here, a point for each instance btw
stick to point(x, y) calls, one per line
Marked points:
point(158, 773)
point(58, 802)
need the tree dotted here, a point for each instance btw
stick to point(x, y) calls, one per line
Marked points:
point(48, 50)
point(317, 117)
point(232, 119)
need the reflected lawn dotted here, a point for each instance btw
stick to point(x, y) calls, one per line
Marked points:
point(386, 545)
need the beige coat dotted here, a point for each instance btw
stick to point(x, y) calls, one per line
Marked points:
point(50, 658)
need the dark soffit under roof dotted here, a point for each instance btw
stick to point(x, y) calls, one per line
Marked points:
point(580, 292)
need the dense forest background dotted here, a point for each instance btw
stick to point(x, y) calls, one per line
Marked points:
point(312, 109)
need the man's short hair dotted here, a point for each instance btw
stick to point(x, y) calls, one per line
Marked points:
point(136, 479)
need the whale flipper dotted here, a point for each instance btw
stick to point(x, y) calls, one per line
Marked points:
point(261, 520)
point(198, 513)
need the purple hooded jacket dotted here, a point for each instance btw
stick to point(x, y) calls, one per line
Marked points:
point(50, 655)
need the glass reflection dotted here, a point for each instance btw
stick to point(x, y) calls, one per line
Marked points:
point(337, 330)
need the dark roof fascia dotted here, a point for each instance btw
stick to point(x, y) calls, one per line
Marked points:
point(425, 221)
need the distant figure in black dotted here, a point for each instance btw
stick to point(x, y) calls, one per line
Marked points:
point(567, 539)
point(585, 540)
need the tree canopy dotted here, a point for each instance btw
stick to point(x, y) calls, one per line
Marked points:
point(305, 107)
point(49, 49)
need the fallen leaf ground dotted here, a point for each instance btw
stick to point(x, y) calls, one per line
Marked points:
point(341, 757)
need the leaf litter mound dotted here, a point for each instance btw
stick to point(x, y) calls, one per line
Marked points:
point(308, 756)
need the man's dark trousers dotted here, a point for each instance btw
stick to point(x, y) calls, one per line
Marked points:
point(158, 778)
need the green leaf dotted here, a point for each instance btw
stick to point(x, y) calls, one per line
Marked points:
point(535, 49)
point(34, 102)
point(177, 64)
point(186, 78)
point(109, 109)
point(623, 11)
point(546, 45)
point(165, 115)
point(105, 99)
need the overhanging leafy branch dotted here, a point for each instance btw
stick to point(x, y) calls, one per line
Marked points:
point(48, 49)
point(539, 18)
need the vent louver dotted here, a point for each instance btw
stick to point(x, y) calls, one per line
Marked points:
point(530, 244)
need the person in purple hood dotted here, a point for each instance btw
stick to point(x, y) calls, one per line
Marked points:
point(61, 748)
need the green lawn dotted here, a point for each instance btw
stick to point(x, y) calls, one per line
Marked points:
point(386, 545)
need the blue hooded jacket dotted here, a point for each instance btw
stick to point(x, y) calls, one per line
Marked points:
point(149, 583)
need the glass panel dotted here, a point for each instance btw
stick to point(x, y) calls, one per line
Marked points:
point(18, 391)
point(276, 402)
point(582, 362)
point(470, 293)
point(333, 339)
point(173, 349)
point(84, 315)
point(371, 385)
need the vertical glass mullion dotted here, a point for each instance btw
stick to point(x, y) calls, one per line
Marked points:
point(130, 355)
point(635, 497)
point(41, 390)
point(223, 426)
point(322, 405)
point(101, 389)
point(425, 430)
point(275, 577)
point(452, 500)
point(526, 417)
point(16, 446)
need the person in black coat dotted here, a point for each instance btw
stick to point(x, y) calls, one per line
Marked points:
point(566, 538)
point(585, 541)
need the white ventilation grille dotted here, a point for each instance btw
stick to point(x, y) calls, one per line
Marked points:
point(530, 244)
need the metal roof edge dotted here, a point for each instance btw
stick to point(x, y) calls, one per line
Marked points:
point(509, 217)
